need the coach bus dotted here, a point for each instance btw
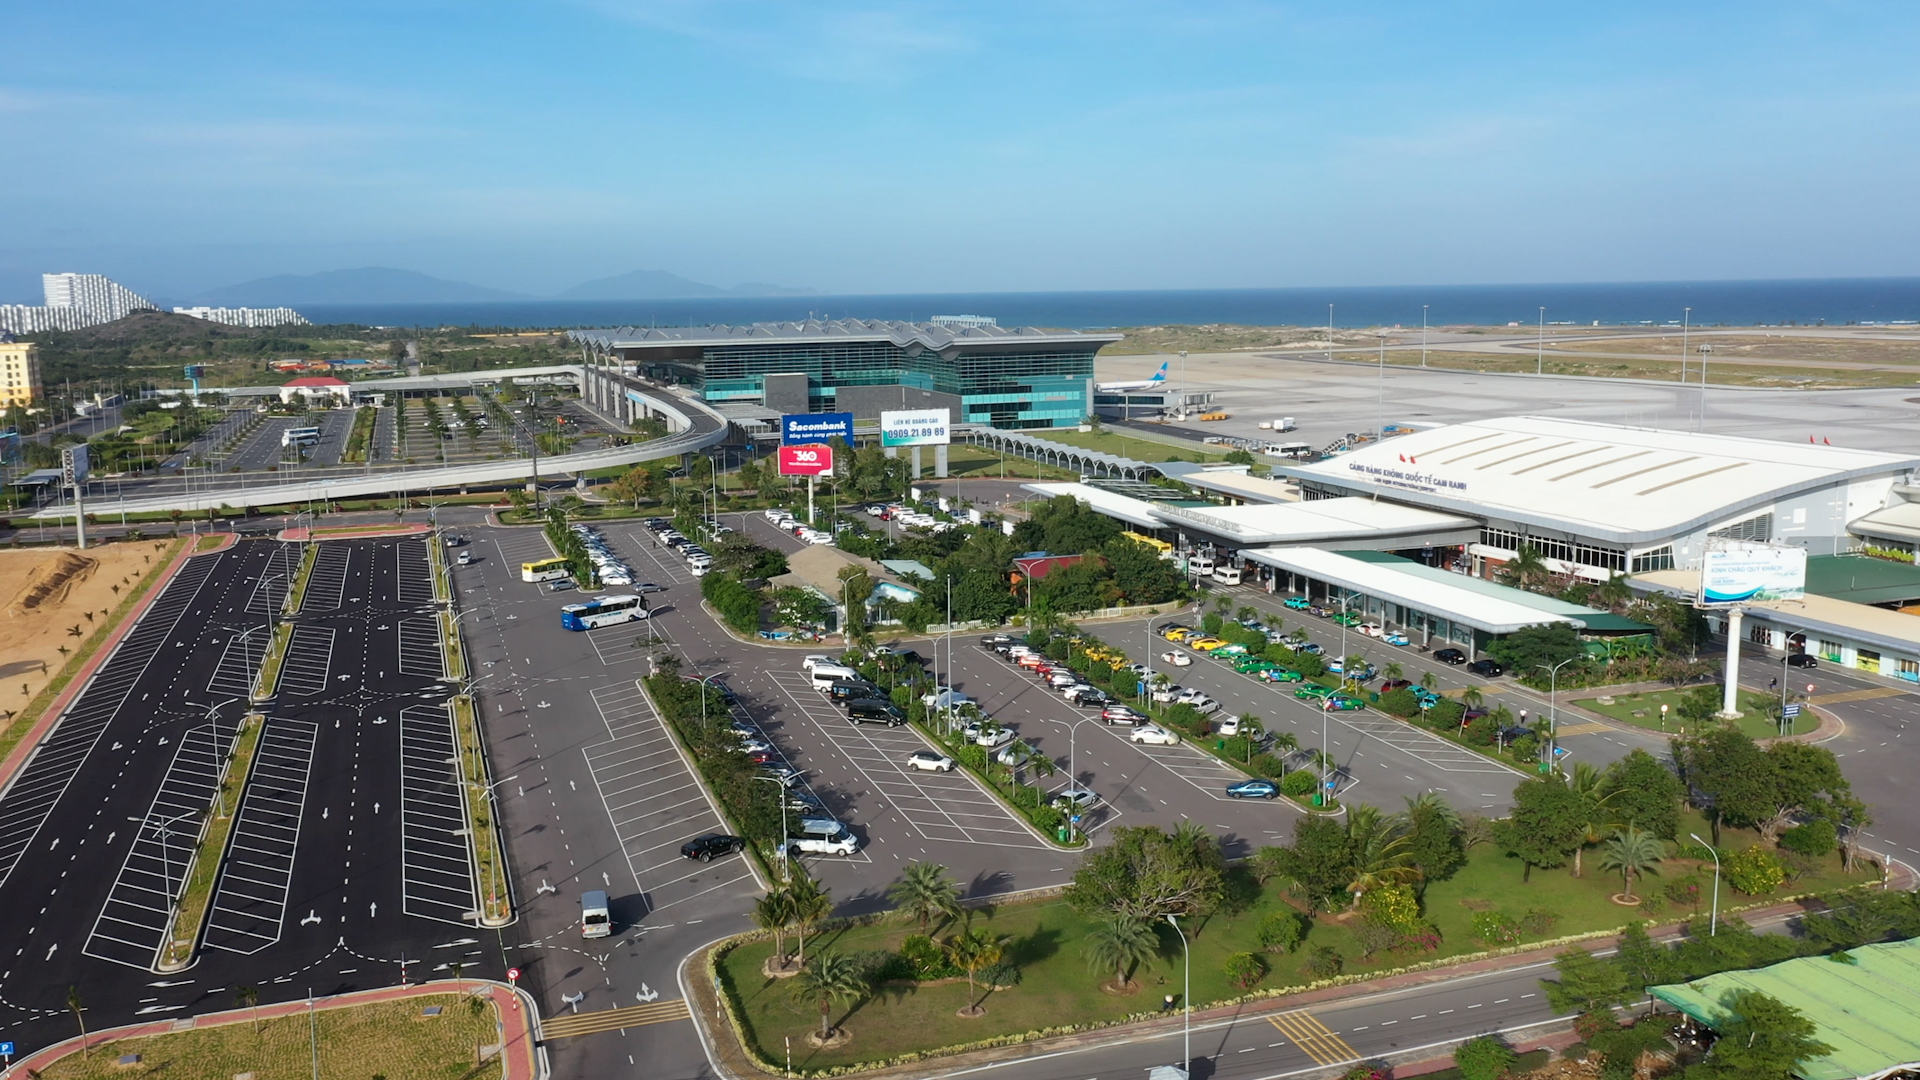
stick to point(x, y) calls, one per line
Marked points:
point(603, 611)
point(1164, 549)
point(300, 436)
point(543, 570)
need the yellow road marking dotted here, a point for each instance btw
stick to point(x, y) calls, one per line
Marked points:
point(1313, 1037)
point(1857, 695)
point(659, 1012)
point(1583, 729)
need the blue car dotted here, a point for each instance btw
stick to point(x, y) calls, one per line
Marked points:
point(1253, 789)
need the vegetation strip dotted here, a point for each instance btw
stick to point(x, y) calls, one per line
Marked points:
point(270, 665)
point(83, 657)
point(210, 852)
point(304, 573)
point(483, 832)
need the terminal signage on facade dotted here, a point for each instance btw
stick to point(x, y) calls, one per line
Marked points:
point(803, 429)
point(916, 427)
point(806, 460)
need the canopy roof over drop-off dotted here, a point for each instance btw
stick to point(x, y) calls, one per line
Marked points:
point(1864, 1009)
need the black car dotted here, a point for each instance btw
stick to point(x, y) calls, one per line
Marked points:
point(705, 848)
point(1801, 659)
point(1486, 669)
point(1450, 656)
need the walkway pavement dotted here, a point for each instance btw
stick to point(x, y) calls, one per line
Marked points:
point(519, 1021)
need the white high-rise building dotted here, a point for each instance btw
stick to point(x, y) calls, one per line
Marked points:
point(74, 301)
point(245, 316)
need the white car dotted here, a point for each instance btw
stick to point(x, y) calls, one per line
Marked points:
point(929, 761)
point(807, 662)
point(1203, 703)
point(1153, 735)
point(1168, 693)
point(1371, 629)
point(1062, 679)
point(1176, 659)
point(985, 735)
point(1227, 728)
point(1074, 799)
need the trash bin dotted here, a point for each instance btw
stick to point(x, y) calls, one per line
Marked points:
point(1219, 744)
point(1062, 831)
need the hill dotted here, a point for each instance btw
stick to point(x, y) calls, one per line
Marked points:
point(660, 285)
point(367, 285)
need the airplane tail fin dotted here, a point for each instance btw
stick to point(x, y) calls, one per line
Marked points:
point(1161, 375)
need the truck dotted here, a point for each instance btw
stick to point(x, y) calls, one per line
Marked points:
point(1284, 423)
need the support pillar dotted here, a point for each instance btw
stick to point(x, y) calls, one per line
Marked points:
point(891, 451)
point(916, 463)
point(940, 462)
point(1730, 701)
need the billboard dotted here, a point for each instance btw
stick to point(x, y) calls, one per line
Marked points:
point(73, 465)
point(1736, 573)
point(804, 429)
point(806, 460)
point(916, 427)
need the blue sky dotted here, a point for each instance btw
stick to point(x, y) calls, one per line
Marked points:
point(893, 147)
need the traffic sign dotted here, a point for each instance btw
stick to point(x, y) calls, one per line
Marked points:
point(6, 1048)
point(513, 974)
point(1791, 711)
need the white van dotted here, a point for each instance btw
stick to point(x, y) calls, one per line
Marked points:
point(595, 919)
point(825, 675)
point(1226, 575)
point(821, 836)
point(1200, 565)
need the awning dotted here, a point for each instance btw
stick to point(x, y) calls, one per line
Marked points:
point(1900, 522)
point(1492, 614)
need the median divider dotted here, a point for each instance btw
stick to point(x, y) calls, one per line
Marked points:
point(298, 594)
point(271, 664)
point(189, 913)
point(484, 840)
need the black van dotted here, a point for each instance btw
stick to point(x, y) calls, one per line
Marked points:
point(843, 692)
point(875, 710)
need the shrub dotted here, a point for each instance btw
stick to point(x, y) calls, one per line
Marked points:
point(1245, 969)
point(1268, 766)
point(1683, 890)
point(1814, 839)
point(1755, 871)
point(1325, 962)
point(1299, 783)
point(1282, 931)
point(1538, 922)
point(1495, 928)
point(1392, 905)
point(1482, 731)
point(1483, 1058)
point(925, 958)
point(1400, 703)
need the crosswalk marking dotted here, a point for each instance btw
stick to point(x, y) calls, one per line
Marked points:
point(658, 1012)
point(1313, 1037)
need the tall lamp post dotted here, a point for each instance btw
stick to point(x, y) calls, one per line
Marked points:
point(1540, 345)
point(1186, 995)
point(1553, 707)
point(493, 887)
point(784, 832)
point(1423, 335)
point(1713, 923)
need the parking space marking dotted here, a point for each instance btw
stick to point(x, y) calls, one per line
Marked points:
point(239, 663)
point(653, 801)
point(415, 577)
point(31, 797)
point(625, 648)
point(327, 582)
point(420, 648)
point(250, 902)
point(269, 593)
point(133, 922)
point(673, 569)
point(938, 806)
point(437, 878)
point(309, 654)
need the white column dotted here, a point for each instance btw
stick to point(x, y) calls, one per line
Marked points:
point(1730, 703)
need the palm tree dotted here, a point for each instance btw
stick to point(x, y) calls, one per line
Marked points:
point(1428, 679)
point(1430, 802)
point(811, 903)
point(1380, 850)
point(1472, 698)
point(1119, 945)
point(1585, 782)
point(1392, 670)
point(1246, 613)
point(1615, 593)
point(248, 997)
point(1286, 743)
point(831, 977)
point(924, 892)
point(971, 950)
point(1525, 568)
point(1633, 851)
point(73, 1002)
point(774, 912)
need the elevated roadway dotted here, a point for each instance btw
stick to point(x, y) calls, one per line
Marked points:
point(695, 427)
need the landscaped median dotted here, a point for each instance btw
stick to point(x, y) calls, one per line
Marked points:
point(483, 831)
point(302, 575)
point(203, 871)
point(270, 664)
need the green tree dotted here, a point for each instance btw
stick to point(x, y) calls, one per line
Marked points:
point(1378, 851)
point(1639, 790)
point(924, 893)
point(1585, 782)
point(1526, 569)
point(1149, 873)
point(75, 1006)
point(1727, 765)
point(972, 951)
point(811, 901)
point(1524, 650)
point(1586, 983)
point(1120, 944)
point(1805, 780)
point(774, 912)
point(1632, 851)
point(829, 977)
point(1484, 1057)
point(1641, 960)
point(1319, 862)
point(1546, 825)
point(1433, 837)
point(248, 997)
point(1761, 1038)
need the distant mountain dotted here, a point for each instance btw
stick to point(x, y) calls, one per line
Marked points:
point(660, 285)
point(367, 285)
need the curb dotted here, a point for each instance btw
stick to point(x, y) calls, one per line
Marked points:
point(303, 534)
point(29, 743)
point(522, 1056)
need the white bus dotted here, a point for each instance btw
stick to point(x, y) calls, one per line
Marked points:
point(300, 436)
point(544, 570)
point(1226, 575)
point(602, 611)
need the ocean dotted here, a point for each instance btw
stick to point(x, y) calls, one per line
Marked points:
point(1828, 301)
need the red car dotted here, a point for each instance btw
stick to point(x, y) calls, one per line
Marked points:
point(760, 757)
point(1388, 686)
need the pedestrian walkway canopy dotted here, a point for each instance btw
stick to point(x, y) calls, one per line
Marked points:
point(1863, 1006)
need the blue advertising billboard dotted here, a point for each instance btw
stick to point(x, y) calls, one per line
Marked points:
point(805, 429)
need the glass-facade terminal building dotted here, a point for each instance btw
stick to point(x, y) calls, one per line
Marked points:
point(1005, 377)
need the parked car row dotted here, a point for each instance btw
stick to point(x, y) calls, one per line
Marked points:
point(608, 567)
point(909, 516)
point(814, 832)
point(785, 521)
point(699, 561)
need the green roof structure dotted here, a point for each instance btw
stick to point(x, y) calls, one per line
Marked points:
point(1863, 579)
point(1864, 1009)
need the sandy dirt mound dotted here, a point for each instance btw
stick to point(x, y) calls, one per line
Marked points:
point(47, 584)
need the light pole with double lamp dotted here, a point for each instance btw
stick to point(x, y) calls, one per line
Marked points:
point(1147, 681)
point(493, 821)
point(1553, 707)
point(1713, 923)
point(785, 832)
point(1186, 995)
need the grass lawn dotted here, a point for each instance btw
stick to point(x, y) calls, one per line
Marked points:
point(1643, 710)
point(390, 1039)
point(1056, 988)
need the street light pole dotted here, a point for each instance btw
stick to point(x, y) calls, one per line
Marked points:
point(1553, 708)
point(1186, 994)
point(1540, 345)
point(1423, 335)
point(784, 831)
point(1713, 924)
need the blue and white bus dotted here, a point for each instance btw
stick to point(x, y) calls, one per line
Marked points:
point(602, 612)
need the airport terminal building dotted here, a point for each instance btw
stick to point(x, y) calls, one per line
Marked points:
point(1018, 377)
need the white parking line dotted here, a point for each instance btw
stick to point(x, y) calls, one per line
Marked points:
point(250, 902)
